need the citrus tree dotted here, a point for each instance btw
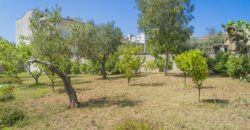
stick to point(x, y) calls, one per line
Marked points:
point(182, 63)
point(130, 62)
point(195, 65)
point(13, 58)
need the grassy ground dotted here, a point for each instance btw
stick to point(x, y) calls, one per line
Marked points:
point(159, 99)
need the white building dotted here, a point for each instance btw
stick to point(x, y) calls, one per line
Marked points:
point(23, 29)
point(139, 40)
point(23, 26)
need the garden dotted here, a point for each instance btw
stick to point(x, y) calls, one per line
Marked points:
point(86, 76)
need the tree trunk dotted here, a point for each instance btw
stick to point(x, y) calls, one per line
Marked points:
point(185, 79)
point(66, 81)
point(128, 81)
point(34, 76)
point(36, 80)
point(199, 96)
point(103, 71)
point(166, 64)
point(53, 85)
point(70, 91)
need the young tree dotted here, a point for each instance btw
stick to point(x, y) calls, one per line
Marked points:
point(196, 67)
point(24, 54)
point(13, 58)
point(7, 59)
point(182, 63)
point(166, 23)
point(35, 74)
point(49, 47)
point(130, 61)
point(97, 43)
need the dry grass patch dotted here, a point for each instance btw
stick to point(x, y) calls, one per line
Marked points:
point(152, 97)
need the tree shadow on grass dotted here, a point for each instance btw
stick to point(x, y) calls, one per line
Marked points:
point(40, 85)
point(33, 86)
point(148, 84)
point(208, 87)
point(117, 77)
point(80, 82)
point(112, 77)
point(140, 75)
point(110, 101)
point(75, 75)
point(60, 83)
point(78, 90)
point(216, 101)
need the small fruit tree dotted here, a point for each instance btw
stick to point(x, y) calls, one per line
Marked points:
point(195, 65)
point(130, 60)
point(181, 62)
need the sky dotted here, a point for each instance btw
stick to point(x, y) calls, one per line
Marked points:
point(208, 13)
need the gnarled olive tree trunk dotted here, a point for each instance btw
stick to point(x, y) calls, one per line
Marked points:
point(66, 81)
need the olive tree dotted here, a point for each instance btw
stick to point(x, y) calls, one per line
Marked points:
point(50, 47)
point(96, 42)
point(166, 23)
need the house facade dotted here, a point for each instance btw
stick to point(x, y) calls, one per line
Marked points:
point(23, 26)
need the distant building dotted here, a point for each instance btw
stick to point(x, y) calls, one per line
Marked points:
point(23, 29)
point(23, 26)
point(139, 40)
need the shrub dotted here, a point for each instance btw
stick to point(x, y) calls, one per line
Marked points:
point(218, 64)
point(75, 68)
point(10, 80)
point(238, 67)
point(10, 116)
point(111, 64)
point(150, 65)
point(93, 68)
point(137, 125)
point(83, 68)
point(6, 93)
point(90, 68)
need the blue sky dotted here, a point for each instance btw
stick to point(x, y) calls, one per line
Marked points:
point(208, 13)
